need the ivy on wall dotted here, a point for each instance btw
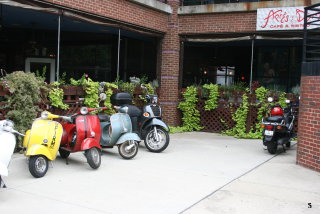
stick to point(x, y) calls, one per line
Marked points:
point(191, 115)
point(212, 102)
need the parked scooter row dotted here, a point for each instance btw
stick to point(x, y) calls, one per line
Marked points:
point(278, 127)
point(86, 132)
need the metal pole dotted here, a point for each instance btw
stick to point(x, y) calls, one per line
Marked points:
point(251, 69)
point(119, 35)
point(58, 49)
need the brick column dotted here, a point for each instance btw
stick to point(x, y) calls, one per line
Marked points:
point(308, 150)
point(170, 67)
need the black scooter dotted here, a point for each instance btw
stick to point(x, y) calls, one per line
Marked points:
point(147, 123)
point(278, 128)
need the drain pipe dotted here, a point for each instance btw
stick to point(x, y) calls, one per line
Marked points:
point(118, 63)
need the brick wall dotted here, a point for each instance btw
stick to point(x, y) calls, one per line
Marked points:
point(170, 67)
point(122, 10)
point(218, 22)
point(308, 152)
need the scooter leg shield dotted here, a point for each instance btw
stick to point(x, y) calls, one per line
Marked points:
point(37, 149)
point(26, 139)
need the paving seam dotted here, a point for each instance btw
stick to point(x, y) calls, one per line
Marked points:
point(212, 193)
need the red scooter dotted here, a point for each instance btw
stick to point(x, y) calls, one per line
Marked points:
point(82, 132)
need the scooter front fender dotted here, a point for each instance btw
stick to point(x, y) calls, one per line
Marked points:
point(128, 136)
point(155, 122)
point(88, 143)
point(38, 149)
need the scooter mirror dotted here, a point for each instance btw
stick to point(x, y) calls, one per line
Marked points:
point(270, 99)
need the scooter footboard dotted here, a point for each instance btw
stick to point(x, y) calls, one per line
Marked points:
point(128, 136)
point(38, 149)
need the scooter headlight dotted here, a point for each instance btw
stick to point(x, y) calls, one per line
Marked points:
point(44, 115)
point(9, 123)
point(84, 110)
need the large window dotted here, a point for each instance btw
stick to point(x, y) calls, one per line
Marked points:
point(276, 63)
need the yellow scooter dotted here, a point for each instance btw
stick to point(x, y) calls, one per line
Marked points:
point(42, 142)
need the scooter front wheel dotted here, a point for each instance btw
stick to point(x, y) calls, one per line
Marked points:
point(128, 149)
point(38, 166)
point(157, 139)
point(93, 157)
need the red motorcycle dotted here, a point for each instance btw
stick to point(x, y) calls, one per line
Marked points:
point(82, 132)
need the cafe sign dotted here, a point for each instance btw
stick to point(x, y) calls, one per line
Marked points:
point(284, 18)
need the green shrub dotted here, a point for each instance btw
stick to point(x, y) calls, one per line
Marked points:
point(23, 99)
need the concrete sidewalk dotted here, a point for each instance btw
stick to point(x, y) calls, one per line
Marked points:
point(198, 173)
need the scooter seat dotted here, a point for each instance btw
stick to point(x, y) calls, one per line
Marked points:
point(104, 117)
point(274, 119)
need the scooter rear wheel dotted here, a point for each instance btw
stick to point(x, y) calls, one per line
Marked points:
point(127, 150)
point(93, 157)
point(38, 166)
point(272, 148)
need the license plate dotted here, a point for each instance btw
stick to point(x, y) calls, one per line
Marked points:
point(268, 133)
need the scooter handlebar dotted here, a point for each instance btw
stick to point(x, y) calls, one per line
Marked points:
point(95, 109)
point(10, 129)
point(66, 118)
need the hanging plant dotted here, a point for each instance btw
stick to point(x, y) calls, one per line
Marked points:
point(212, 102)
point(56, 96)
point(191, 115)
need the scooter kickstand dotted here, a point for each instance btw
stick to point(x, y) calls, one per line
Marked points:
point(1, 181)
point(67, 161)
